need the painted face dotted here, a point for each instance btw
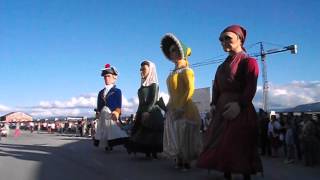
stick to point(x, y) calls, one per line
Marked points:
point(109, 79)
point(144, 71)
point(174, 53)
point(230, 42)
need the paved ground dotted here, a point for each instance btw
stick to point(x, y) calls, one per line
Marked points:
point(52, 157)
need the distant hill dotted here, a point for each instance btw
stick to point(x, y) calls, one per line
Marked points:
point(312, 107)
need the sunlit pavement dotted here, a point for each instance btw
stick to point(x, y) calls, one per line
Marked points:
point(65, 157)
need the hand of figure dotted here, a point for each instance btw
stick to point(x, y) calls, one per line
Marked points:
point(145, 116)
point(114, 115)
point(231, 110)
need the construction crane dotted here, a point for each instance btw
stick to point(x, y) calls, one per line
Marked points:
point(292, 48)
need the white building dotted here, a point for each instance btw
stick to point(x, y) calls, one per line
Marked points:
point(202, 98)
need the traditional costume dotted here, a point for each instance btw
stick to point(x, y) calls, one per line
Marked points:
point(109, 100)
point(146, 136)
point(181, 138)
point(231, 144)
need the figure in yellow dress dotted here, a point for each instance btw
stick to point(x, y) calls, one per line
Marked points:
point(181, 139)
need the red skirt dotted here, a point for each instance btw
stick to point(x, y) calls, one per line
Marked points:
point(232, 144)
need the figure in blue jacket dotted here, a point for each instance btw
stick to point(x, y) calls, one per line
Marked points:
point(109, 103)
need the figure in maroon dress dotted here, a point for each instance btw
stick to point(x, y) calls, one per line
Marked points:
point(231, 140)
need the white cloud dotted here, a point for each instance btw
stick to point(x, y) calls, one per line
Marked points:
point(82, 105)
point(59, 112)
point(4, 108)
point(129, 106)
point(280, 96)
point(279, 92)
point(291, 94)
point(84, 101)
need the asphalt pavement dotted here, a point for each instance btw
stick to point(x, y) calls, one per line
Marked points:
point(46, 156)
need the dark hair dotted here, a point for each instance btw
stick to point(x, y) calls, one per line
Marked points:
point(145, 63)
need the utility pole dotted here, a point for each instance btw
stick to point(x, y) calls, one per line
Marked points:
point(263, 53)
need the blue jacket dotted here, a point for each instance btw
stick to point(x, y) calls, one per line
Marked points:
point(113, 99)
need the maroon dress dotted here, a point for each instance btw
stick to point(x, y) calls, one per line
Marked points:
point(231, 145)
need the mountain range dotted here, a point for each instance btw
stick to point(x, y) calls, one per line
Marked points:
point(311, 107)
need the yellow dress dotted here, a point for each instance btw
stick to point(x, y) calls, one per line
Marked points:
point(182, 125)
point(181, 88)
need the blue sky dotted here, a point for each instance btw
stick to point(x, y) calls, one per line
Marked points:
point(51, 52)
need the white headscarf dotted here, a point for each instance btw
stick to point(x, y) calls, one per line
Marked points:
point(152, 76)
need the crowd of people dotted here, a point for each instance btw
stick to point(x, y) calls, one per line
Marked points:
point(76, 128)
point(294, 136)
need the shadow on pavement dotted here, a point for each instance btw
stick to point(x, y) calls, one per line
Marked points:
point(80, 160)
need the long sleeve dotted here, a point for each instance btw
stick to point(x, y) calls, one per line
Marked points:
point(251, 77)
point(215, 91)
point(187, 93)
point(114, 100)
point(100, 101)
point(118, 101)
point(169, 88)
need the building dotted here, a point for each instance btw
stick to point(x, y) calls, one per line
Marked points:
point(202, 98)
point(16, 117)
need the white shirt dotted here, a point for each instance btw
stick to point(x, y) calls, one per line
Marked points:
point(273, 126)
point(107, 89)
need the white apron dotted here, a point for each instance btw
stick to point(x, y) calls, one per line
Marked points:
point(107, 129)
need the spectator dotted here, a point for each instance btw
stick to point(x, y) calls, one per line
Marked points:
point(274, 135)
point(296, 130)
point(289, 142)
point(264, 138)
point(309, 141)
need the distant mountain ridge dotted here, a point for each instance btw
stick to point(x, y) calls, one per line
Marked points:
point(311, 107)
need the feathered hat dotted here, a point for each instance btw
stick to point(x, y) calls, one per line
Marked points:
point(170, 39)
point(108, 69)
